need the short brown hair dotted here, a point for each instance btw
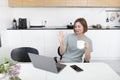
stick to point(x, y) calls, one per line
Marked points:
point(83, 22)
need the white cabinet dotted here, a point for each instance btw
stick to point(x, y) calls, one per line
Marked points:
point(100, 43)
point(26, 38)
point(52, 42)
point(114, 44)
point(33, 38)
point(106, 43)
point(14, 38)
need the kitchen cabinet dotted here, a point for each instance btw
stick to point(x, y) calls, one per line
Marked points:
point(13, 39)
point(114, 3)
point(96, 3)
point(52, 42)
point(76, 2)
point(15, 3)
point(33, 3)
point(113, 43)
point(36, 3)
point(25, 38)
point(100, 43)
point(104, 47)
point(104, 3)
point(105, 42)
point(55, 2)
point(65, 3)
point(34, 39)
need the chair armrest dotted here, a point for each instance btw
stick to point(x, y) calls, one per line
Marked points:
point(55, 58)
point(59, 53)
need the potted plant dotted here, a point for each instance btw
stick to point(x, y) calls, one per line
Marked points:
point(9, 69)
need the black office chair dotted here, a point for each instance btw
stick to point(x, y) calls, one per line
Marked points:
point(59, 53)
point(61, 56)
point(21, 54)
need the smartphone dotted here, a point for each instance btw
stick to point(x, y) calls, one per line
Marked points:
point(76, 68)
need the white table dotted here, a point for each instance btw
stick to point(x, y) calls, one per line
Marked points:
point(92, 71)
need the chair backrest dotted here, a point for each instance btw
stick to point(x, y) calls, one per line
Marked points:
point(21, 54)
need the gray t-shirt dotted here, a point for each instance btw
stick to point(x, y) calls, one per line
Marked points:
point(73, 54)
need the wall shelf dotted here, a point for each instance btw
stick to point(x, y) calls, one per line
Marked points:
point(112, 10)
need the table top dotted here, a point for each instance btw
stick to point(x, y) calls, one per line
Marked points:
point(92, 71)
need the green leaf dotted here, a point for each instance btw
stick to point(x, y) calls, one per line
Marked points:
point(2, 68)
point(14, 78)
point(5, 67)
point(5, 60)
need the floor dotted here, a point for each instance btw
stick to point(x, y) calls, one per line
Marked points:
point(115, 64)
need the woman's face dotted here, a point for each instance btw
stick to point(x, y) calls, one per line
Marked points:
point(78, 28)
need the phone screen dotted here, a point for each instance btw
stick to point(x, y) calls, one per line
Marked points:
point(76, 68)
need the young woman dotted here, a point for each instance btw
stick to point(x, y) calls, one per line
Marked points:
point(69, 45)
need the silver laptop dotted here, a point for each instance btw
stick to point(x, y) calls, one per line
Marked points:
point(45, 63)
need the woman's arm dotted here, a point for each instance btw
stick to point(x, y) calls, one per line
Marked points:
point(62, 48)
point(62, 45)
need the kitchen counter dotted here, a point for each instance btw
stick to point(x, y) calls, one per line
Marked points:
point(104, 29)
point(61, 29)
point(41, 29)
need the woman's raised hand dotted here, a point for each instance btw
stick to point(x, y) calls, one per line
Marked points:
point(61, 36)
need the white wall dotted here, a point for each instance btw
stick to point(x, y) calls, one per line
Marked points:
point(5, 15)
point(63, 16)
point(5, 18)
point(55, 17)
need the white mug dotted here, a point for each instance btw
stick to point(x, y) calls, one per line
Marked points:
point(80, 44)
